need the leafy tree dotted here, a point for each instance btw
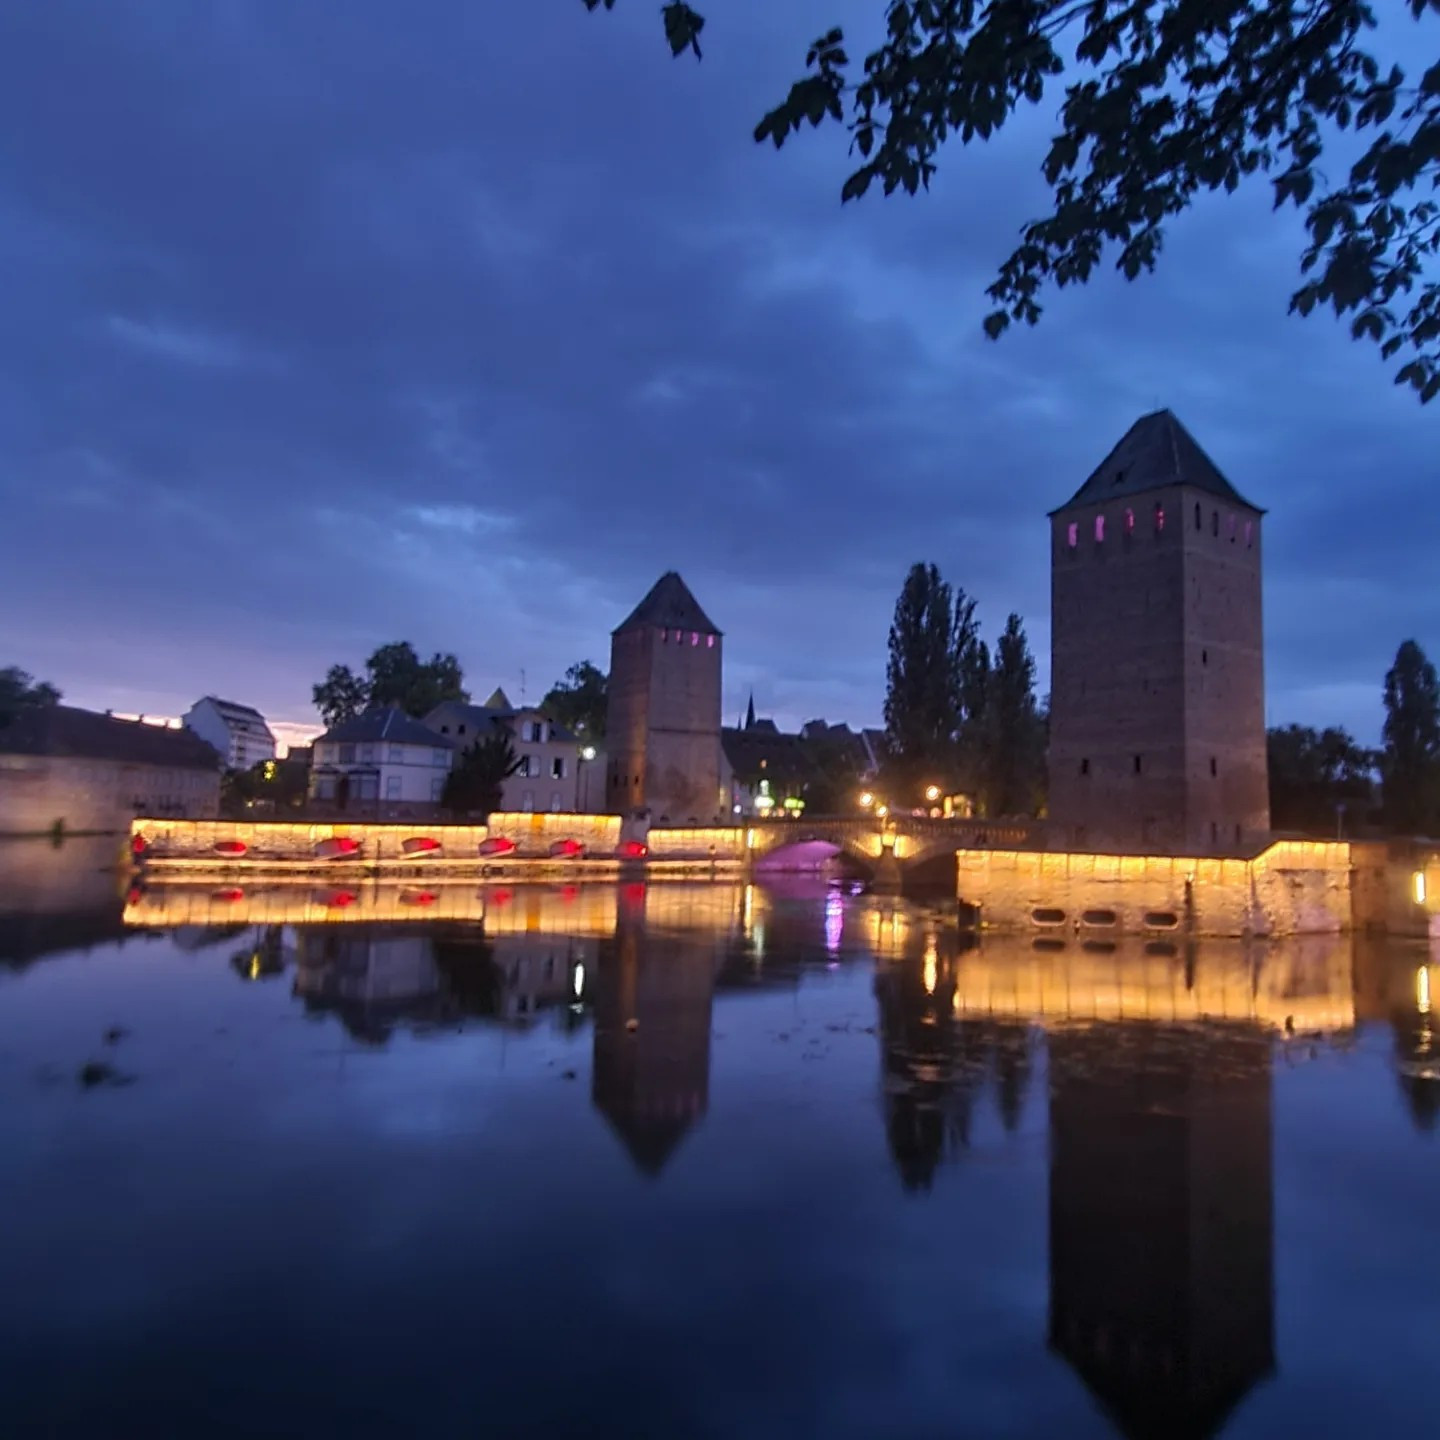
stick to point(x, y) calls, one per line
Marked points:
point(834, 768)
point(477, 779)
point(1312, 774)
point(1164, 100)
point(1410, 763)
point(975, 685)
point(932, 633)
point(282, 784)
point(342, 695)
point(579, 701)
point(19, 690)
point(394, 675)
point(1013, 728)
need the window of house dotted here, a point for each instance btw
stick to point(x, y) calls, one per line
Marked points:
point(367, 753)
point(527, 801)
point(555, 800)
point(557, 768)
point(1072, 534)
point(1085, 767)
point(392, 787)
point(459, 729)
point(439, 757)
point(1099, 528)
point(347, 754)
point(397, 755)
point(444, 729)
point(437, 787)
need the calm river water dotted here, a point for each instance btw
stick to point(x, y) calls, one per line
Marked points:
point(689, 1160)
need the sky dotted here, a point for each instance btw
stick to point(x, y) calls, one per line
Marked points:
point(344, 322)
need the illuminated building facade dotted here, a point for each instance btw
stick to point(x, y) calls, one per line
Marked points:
point(1157, 715)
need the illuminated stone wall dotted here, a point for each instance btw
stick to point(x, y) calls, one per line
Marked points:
point(98, 796)
point(1294, 887)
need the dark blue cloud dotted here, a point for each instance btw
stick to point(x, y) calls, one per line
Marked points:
point(327, 325)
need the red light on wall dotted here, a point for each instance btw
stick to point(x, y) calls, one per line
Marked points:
point(497, 845)
point(501, 896)
point(633, 894)
point(339, 847)
point(231, 847)
point(134, 895)
point(417, 897)
point(420, 845)
point(339, 899)
point(139, 845)
point(634, 850)
point(229, 895)
point(569, 893)
point(567, 849)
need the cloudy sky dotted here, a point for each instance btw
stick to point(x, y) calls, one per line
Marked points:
point(339, 322)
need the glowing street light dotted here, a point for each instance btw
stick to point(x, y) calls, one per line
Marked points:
point(588, 753)
point(932, 793)
point(866, 799)
point(882, 811)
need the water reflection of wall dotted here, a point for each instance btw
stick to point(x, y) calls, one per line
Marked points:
point(653, 997)
point(1398, 985)
point(58, 898)
point(1161, 1223)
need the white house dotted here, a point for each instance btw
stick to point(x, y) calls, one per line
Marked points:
point(557, 771)
point(382, 758)
point(237, 732)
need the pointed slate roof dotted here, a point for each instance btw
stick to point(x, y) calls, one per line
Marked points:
point(499, 700)
point(1156, 451)
point(669, 605)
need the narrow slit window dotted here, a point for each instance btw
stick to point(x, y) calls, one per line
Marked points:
point(1129, 521)
point(1099, 529)
point(1072, 534)
point(1159, 517)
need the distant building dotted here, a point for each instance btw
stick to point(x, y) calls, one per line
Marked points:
point(555, 773)
point(93, 772)
point(237, 732)
point(1157, 712)
point(768, 771)
point(381, 760)
point(663, 728)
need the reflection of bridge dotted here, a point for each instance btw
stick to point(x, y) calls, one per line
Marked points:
point(899, 842)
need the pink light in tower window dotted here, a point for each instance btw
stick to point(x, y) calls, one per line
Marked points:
point(709, 642)
point(1099, 527)
point(1159, 517)
point(694, 637)
point(1129, 521)
point(1072, 535)
point(1249, 533)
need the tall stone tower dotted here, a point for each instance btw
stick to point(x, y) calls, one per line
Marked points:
point(1157, 691)
point(663, 731)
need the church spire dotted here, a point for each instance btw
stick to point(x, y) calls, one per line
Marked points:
point(750, 713)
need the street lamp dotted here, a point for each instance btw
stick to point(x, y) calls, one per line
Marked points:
point(866, 799)
point(932, 793)
point(582, 796)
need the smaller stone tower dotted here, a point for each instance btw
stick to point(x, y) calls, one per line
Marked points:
point(1157, 684)
point(663, 732)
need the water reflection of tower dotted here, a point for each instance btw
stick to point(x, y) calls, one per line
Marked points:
point(652, 1081)
point(1400, 984)
point(1161, 1224)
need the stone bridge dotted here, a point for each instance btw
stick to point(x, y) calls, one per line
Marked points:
point(898, 845)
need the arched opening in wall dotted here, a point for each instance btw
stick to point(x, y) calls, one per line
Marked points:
point(1162, 919)
point(1098, 917)
point(1047, 915)
point(968, 913)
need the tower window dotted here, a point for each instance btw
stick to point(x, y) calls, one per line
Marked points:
point(1129, 521)
point(694, 637)
point(664, 637)
point(1119, 477)
point(1159, 517)
point(1234, 527)
point(709, 642)
point(1249, 533)
point(1204, 657)
point(1197, 514)
point(1214, 522)
point(1099, 528)
point(1072, 535)
point(1214, 766)
point(1137, 764)
point(1085, 767)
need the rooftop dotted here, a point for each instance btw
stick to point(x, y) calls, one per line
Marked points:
point(230, 707)
point(1156, 451)
point(481, 719)
point(669, 606)
point(64, 730)
point(390, 724)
